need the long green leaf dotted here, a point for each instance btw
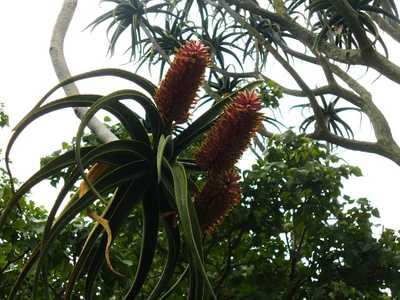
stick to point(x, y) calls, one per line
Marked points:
point(125, 173)
point(120, 152)
point(53, 166)
point(104, 101)
point(151, 205)
point(47, 231)
point(128, 119)
point(126, 197)
point(139, 80)
point(160, 154)
point(122, 112)
point(134, 195)
point(117, 152)
point(173, 239)
point(188, 220)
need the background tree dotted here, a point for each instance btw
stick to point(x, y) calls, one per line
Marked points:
point(247, 36)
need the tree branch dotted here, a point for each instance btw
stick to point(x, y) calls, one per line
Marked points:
point(363, 56)
point(252, 31)
point(60, 66)
point(352, 19)
point(390, 28)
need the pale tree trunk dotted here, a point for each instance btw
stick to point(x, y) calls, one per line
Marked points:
point(60, 66)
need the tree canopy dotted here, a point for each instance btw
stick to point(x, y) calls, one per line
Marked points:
point(245, 37)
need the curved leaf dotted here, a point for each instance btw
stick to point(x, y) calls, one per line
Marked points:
point(190, 225)
point(125, 173)
point(147, 104)
point(139, 80)
point(151, 205)
point(117, 211)
point(54, 165)
point(160, 154)
point(173, 239)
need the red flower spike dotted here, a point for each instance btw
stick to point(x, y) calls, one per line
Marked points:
point(219, 195)
point(231, 134)
point(177, 92)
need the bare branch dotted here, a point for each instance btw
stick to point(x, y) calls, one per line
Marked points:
point(391, 152)
point(60, 66)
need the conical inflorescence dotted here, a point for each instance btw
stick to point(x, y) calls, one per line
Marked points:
point(219, 195)
point(231, 134)
point(220, 150)
point(177, 92)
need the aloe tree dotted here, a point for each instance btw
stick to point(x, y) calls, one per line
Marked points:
point(151, 168)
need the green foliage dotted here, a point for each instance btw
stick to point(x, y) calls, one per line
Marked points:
point(144, 169)
point(235, 41)
point(294, 234)
point(127, 14)
point(19, 239)
point(3, 116)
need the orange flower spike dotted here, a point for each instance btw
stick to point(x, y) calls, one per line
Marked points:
point(231, 134)
point(219, 195)
point(177, 92)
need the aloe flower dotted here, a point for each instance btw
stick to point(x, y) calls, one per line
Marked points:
point(177, 92)
point(219, 195)
point(231, 134)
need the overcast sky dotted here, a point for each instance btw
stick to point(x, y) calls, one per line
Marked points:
point(26, 75)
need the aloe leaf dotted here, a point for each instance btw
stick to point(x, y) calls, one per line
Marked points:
point(112, 98)
point(151, 205)
point(173, 239)
point(117, 211)
point(120, 175)
point(175, 285)
point(92, 156)
point(128, 118)
point(139, 80)
point(160, 154)
point(54, 165)
point(96, 255)
point(190, 225)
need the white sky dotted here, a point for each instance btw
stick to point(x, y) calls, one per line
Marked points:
point(26, 74)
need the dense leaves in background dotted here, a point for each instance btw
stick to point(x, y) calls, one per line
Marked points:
point(296, 236)
point(306, 239)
